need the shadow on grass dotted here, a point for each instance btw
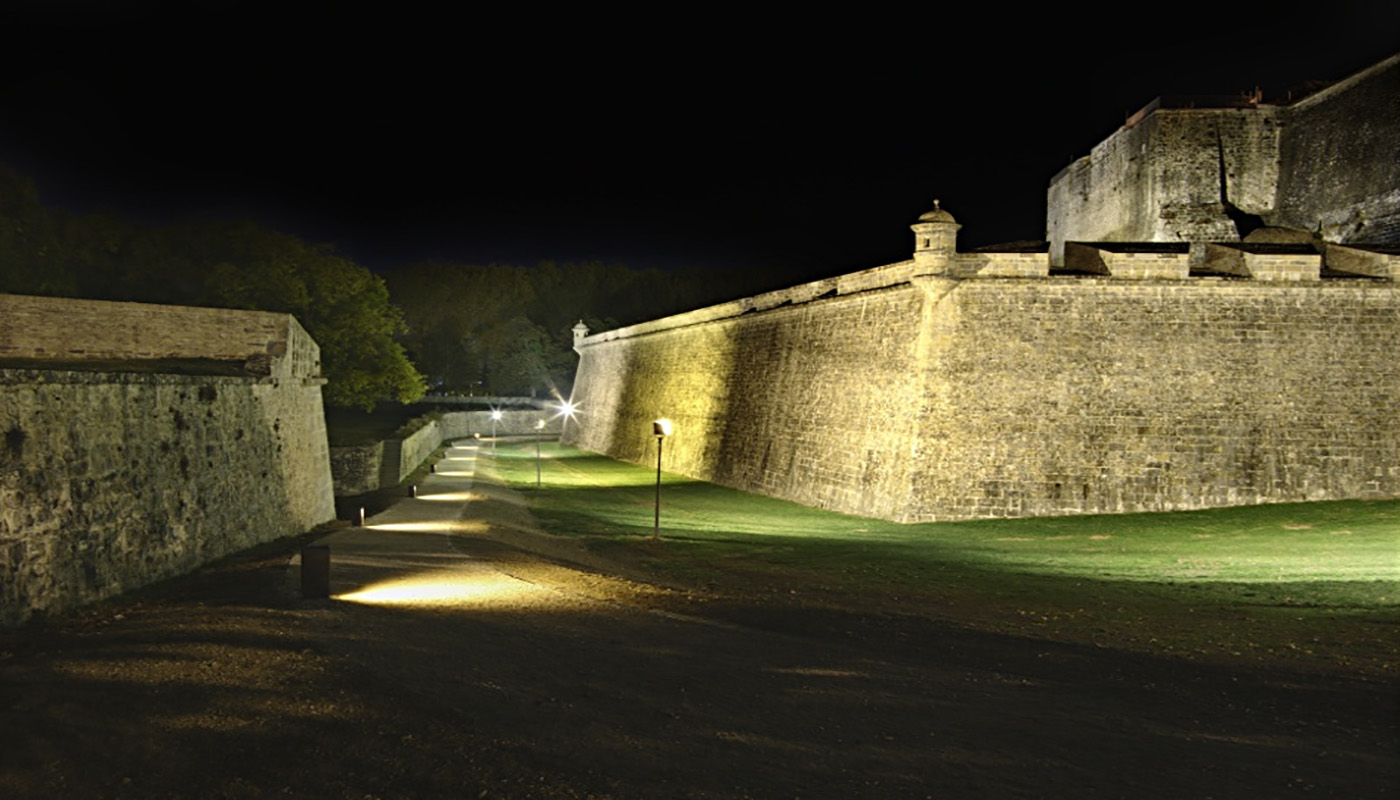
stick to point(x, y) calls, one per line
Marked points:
point(1312, 580)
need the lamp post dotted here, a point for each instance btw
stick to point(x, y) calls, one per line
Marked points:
point(539, 431)
point(661, 428)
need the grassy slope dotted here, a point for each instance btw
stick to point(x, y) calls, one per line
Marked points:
point(1317, 584)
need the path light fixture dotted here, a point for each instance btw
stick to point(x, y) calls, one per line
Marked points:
point(661, 428)
point(539, 432)
point(495, 418)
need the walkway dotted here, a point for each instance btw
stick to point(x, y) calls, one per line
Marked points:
point(448, 545)
point(452, 665)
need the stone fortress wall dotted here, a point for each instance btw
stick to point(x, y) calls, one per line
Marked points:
point(945, 395)
point(141, 441)
point(1113, 375)
point(1185, 169)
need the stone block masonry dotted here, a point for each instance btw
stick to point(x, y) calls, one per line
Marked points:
point(358, 469)
point(951, 396)
point(115, 473)
point(1137, 364)
point(810, 402)
point(1186, 169)
point(1074, 396)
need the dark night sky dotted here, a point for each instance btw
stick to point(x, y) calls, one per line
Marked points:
point(803, 147)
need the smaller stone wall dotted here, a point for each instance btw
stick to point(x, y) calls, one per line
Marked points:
point(1000, 265)
point(1129, 264)
point(1265, 262)
point(415, 448)
point(361, 469)
point(1373, 263)
point(355, 468)
point(513, 422)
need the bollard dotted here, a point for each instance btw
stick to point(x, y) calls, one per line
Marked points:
point(361, 520)
point(413, 490)
point(316, 571)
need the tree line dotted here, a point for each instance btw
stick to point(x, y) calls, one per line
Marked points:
point(218, 263)
point(453, 328)
point(505, 329)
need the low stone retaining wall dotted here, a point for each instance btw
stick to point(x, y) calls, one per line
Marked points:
point(355, 469)
point(366, 468)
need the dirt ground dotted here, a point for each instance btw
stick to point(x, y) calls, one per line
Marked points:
point(541, 680)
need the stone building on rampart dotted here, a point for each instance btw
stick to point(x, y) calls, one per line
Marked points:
point(141, 441)
point(1096, 375)
point(1193, 169)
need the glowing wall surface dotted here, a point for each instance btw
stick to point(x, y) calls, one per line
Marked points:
point(141, 441)
point(938, 397)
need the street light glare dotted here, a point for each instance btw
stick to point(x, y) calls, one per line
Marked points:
point(567, 409)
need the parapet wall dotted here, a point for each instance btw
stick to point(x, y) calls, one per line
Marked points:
point(115, 473)
point(94, 332)
point(943, 397)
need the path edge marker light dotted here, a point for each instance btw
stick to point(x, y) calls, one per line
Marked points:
point(661, 428)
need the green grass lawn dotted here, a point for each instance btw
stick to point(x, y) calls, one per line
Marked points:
point(1277, 577)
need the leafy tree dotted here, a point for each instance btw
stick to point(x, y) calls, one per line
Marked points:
point(28, 249)
point(344, 306)
point(468, 329)
point(504, 329)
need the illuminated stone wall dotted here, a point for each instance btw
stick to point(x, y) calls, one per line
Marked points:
point(116, 473)
point(813, 402)
point(1159, 179)
point(1088, 395)
point(1325, 164)
point(355, 469)
point(952, 396)
point(1088, 378)
point(1353, 128)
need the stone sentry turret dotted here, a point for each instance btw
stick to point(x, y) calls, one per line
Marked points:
point(935, 239)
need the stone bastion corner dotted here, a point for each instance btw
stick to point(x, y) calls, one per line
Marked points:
point(1140, 377)
point(141, 441)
